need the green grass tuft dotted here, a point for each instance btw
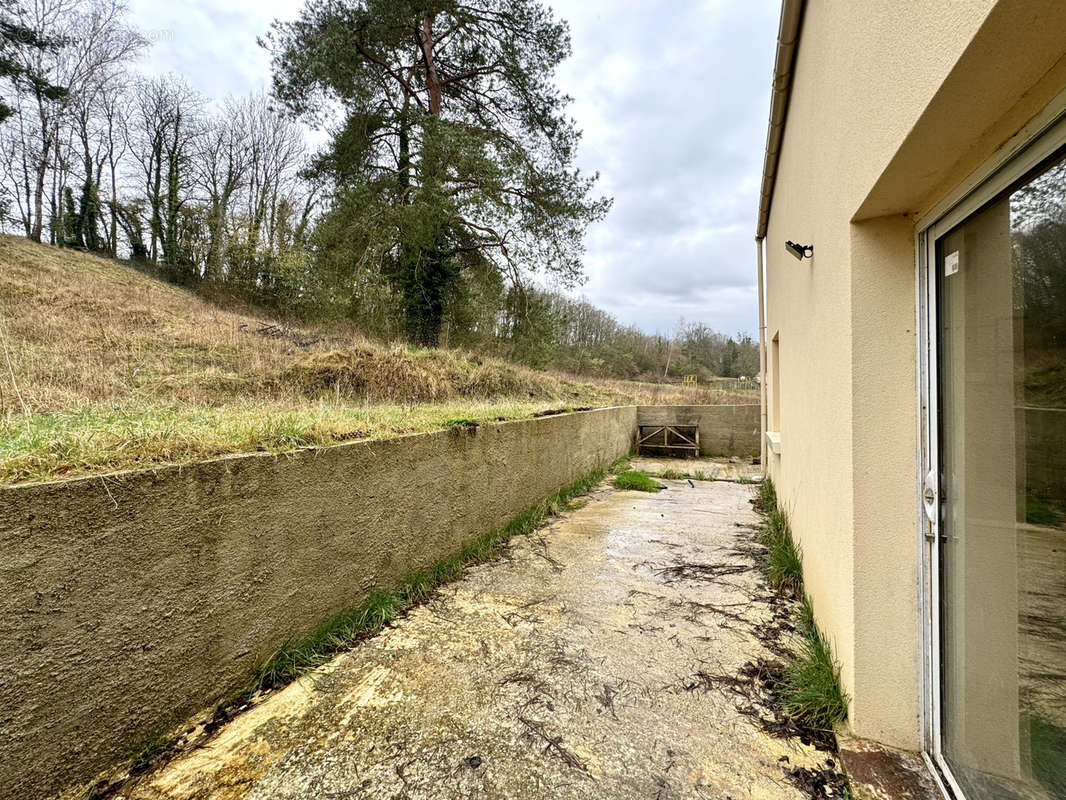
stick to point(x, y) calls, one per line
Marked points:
point(152, 750)
point(805, 618)
point(636, 479)
point(811, 692)
point(673, 475)
point(459, 422)
point(784, 566)
point(766, 497)
point(783, 562)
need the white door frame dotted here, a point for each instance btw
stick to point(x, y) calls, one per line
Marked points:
point(1039, 140)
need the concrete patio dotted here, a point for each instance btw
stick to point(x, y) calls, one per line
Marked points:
point(612, 654)
point(719, 469)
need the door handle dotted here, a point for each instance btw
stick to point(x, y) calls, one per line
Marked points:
point(929, 497)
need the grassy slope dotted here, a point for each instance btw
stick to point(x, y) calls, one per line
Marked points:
point(106, 368)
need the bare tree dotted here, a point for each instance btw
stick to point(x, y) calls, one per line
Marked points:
point(112, 104)
point(91, 40)
point(162, 136)
point(275, 152)
point(222, 169)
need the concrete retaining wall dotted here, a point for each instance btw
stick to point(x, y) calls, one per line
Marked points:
point(724, 430)
point(1045, 450)
point(133, 600)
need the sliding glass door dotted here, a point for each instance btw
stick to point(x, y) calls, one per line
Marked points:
point(998, 380)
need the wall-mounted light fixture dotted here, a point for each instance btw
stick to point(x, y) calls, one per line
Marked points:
point(800, 251)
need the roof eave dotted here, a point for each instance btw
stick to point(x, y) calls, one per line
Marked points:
point(787, 45)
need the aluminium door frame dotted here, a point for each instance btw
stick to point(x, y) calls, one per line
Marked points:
point(1035, 143)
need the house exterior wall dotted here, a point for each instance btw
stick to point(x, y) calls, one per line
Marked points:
point(878, 86)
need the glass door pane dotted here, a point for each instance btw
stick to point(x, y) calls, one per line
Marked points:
point(1001, 279)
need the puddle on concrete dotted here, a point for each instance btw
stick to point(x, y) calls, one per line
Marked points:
point(567, 669)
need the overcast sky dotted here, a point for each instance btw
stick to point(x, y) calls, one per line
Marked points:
point(672, 96)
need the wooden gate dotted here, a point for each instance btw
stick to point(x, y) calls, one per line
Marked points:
point(669, 437)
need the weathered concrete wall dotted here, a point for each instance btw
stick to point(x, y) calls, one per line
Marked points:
point(724, 430)
point(135, 599)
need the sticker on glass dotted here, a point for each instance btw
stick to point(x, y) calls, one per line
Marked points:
point(951, 263)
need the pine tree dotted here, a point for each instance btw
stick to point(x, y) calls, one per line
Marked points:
point(454, 152)
point(16, 38)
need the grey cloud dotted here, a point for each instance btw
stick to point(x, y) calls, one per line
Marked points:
point(673, 98)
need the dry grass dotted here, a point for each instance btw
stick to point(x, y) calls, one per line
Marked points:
point(80, 329)
point(107, 368)
point(674, 394)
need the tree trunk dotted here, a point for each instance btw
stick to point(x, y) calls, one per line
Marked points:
point(38, 201)
point(154, 201)
point(87, 213)
point(432, 79)
point(40, 170)
point(113, 242)
point(173, 205)
point(423, 297)
point(404, 160)
point(217, 225)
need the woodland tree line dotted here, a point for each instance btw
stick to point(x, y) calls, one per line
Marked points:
point(445, 194)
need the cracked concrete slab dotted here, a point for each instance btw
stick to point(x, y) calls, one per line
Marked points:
point(566, 669)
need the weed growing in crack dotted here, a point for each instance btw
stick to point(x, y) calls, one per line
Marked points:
point(152, 750)
point(784, 567)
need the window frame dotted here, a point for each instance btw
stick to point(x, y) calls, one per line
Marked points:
point(1035, 143)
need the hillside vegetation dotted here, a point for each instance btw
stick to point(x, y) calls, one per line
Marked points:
point(107, 368)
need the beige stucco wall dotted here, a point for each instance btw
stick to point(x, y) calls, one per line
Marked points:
point(874, 81)
point(132, 600)
point(725, 430)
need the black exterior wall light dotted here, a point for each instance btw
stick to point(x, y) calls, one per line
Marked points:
point(800, 251)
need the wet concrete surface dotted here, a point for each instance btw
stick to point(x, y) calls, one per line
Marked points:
point(878, 772)
point(569, 668)
point(718, 469)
